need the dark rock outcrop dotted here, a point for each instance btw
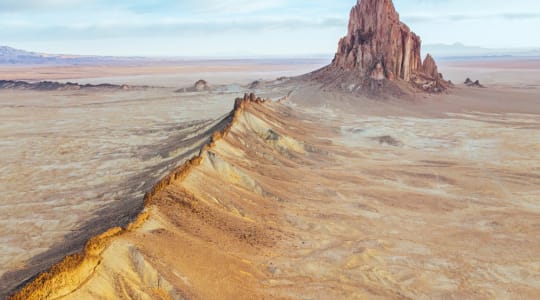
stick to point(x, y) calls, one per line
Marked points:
point(58, 86)
point(468, 82)
point(378, 51)
point(255, 85)
point(199, 86)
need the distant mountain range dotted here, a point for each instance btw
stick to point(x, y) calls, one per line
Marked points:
point(459, 50)
point(12, 56)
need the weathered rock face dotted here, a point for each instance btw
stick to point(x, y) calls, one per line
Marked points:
point(379, 46)
point(429, 68)
point(376, 36)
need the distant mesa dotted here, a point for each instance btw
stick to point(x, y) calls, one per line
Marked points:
point(199, 86)
point(12, 56)
point(379, 53)
point(468, 82)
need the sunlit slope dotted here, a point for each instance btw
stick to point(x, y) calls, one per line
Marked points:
point(288, 205)
point(206, 229)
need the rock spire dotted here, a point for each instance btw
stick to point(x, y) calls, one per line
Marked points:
point(379, 47)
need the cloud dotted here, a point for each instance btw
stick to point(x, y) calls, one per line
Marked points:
point(520, 16)
point(124, 26)
point(97, 19)
point(36, 5)
point(236, 6)
point(195, 6)
point(283, 23)
point(421, 18)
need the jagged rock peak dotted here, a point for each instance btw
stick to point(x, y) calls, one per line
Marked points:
point(379, 46)
point(376, 36)
point(429, 67)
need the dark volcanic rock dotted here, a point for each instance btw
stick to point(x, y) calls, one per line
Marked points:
point(378, 52)
point(255, 84)
point(468, 82)
point(57, 86)
point(388, 140)
point(199, 86)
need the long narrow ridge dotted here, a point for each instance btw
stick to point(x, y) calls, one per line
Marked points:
point(59, 277)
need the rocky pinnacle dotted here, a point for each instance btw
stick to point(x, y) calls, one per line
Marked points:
point(380, 46)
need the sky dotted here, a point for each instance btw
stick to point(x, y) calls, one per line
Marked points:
point(240, 28)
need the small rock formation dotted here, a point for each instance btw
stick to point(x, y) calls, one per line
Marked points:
point(468, 82)
point(379, 47)
point(388, 140)
point(429, 67)
point(378, 72)
point(429, 79)
point(255, 84)
point(200, 86)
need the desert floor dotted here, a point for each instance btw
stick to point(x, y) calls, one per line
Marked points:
point(343, 197)
point(75, 163)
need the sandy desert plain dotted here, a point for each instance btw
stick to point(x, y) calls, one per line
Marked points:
point(320, 195)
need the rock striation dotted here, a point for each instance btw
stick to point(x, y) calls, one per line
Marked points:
point(377, 37)
point(379, 47)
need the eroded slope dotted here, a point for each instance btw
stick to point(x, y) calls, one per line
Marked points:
point(287, 205)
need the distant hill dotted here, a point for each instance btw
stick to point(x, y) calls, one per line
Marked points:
point(461, 50)
point(12, 56)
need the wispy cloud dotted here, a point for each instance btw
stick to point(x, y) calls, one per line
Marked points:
point(125, 18)
point(236, 6)
point(199, 6)
point(279, 25)
point(40, 5)
point(125, 27)
point(431, 18)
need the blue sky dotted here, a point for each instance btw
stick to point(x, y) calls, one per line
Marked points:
point(248, 27)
